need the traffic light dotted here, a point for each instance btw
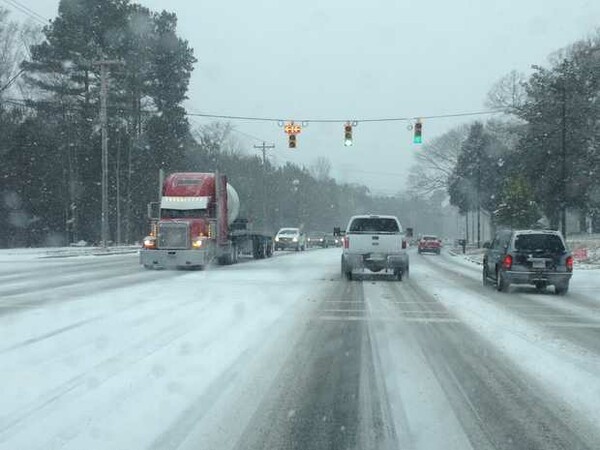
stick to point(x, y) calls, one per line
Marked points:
point(348, 135)
point(418, 136)
point(292, 141)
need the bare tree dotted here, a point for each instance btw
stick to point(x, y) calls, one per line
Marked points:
point(436, 162)
point(508, 93)
point(10, 50)
point(214, 137)
point(320, 168)
point(15, 40)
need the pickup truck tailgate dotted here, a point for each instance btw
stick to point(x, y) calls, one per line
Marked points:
point(363, 243)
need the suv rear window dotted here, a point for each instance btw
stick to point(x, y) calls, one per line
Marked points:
point(539, 243)
point(374, 225)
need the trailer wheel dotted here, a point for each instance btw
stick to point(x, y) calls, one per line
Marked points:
point(261, 250)
point(258, 249)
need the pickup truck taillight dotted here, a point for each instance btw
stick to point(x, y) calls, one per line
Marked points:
point(346, 242)
point(570, 263)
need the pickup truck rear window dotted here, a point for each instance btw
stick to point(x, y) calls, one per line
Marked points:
point(537, 243)
point(374, 225)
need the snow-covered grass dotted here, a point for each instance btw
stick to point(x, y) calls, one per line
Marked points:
point(580, 245)
point(24, 254)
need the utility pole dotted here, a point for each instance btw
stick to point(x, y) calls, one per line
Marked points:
point(104, 64)
point(479, 149)
point(264, 148)
point(563, 212)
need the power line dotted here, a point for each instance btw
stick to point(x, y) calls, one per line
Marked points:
point(27, 11)
point(247, 135)
point(380, 119)
point(269, 119)
point(11, 81)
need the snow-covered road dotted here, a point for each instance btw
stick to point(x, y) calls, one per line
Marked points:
point(96, 353)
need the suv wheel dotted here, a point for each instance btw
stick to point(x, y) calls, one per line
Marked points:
point(561, 289)
point(486, 280)
point(501, 283)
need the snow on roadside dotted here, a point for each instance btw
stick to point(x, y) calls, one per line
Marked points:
point(566, 369)
point(584, 282)
point(28, 254)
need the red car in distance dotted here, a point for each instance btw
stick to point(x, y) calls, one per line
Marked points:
point(431, 244)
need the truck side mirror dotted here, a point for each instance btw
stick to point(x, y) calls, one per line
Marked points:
point(153, 210)
point(486, 244)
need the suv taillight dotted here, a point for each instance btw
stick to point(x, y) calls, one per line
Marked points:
point(346, 242)
point(570, 263)
point(507, 262)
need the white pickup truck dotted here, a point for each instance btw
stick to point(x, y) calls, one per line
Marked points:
point(375, 243)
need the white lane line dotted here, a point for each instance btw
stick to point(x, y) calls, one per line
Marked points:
point(571, 325)
point(552, 316)
point(389, 319)
point(386, 311)
point(18, 305)
point(344, 301)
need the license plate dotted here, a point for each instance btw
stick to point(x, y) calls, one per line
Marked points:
point(539, 264)
point(377, 257)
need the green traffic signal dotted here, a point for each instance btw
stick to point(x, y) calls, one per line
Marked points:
point(418, 136)
point(348, 135)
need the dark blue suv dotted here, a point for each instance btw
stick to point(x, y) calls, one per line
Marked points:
point(536, 257)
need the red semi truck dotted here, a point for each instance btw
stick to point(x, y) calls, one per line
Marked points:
point(198, 225)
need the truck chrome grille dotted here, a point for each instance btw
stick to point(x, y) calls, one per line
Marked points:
point(173, 235)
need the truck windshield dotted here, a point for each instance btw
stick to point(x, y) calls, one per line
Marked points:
point(182, 213)
point(374, 225)
point(289, 231)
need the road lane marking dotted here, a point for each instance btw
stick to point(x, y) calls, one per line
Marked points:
point(390, 319)
point(571, 325)
point(385, 310)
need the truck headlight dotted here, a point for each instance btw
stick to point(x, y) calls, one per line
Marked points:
point(150, 242)
point(295, 239)
point(197, 242)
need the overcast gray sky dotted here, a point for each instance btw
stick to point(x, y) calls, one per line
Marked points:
point(356, 60)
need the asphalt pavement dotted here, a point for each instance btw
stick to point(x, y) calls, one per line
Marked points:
point(286, 354)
